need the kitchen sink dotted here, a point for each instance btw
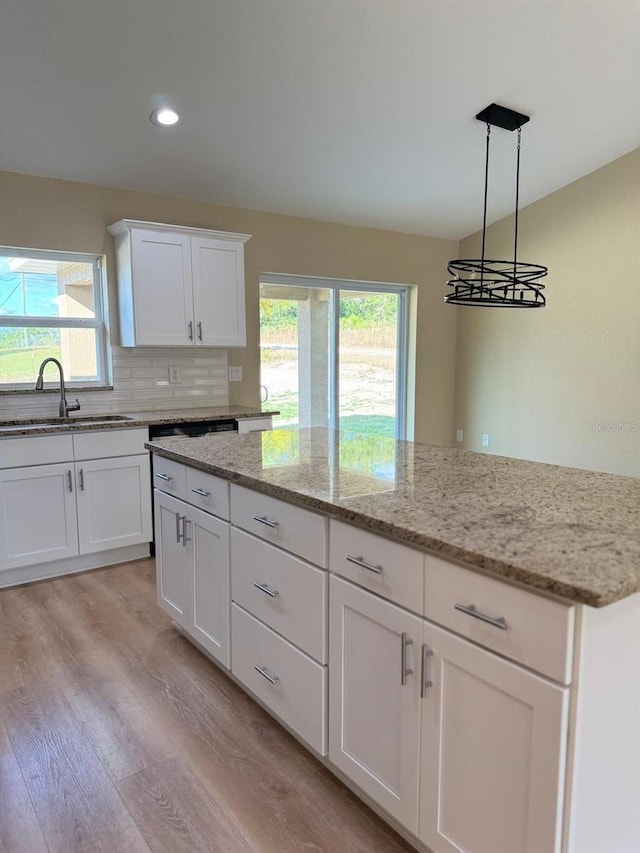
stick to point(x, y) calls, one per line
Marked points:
point(48, 423)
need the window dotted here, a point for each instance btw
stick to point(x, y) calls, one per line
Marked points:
point(51, 305)
point(333, 353)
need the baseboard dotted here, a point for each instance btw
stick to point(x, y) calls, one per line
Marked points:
point(71, 565)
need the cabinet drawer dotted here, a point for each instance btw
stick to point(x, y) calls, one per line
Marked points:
point(35, 450)
point(169, 476)
point(207, 492)
point(538, 632)
point(394, 571)
point(109, 442)
point(281, 590)
point(297, 530)
point(291, 684)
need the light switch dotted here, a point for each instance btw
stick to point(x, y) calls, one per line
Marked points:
point(235, 374)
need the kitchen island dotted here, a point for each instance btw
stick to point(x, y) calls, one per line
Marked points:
point(510, 591)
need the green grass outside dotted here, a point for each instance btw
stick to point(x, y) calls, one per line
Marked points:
point(22, 365)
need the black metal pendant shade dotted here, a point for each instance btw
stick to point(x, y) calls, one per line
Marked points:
point(492, 283)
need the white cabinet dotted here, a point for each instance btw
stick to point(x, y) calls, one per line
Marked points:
point(114, 502)
point(493, 742)
point(374, 711)
point(173, 582)
point(96, 500)
point(179, 286)
point(192, 569)
point(38, 521)
point(416, 709)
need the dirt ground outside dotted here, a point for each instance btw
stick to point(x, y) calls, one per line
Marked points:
point(367, 379)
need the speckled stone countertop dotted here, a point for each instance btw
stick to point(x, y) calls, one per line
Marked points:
point(566, 531)
point(128, 420)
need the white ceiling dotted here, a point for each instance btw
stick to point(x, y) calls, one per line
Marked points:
point(355, 111)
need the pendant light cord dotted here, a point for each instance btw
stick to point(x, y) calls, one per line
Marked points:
point(484, 217)
point(515, 236)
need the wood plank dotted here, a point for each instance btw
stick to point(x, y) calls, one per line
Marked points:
point(176, 815)
point(19, 829)
point(76, 805)
point(112, 693)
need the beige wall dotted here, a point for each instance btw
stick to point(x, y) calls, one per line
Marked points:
point(562, 384)
point(51, 214)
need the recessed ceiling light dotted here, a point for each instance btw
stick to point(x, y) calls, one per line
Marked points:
point(164, 117)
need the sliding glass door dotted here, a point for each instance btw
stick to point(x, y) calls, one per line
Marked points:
point(334, 354)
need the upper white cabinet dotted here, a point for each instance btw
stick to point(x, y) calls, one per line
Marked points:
point(179, 286)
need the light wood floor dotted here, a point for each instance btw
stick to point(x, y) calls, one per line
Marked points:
point(116, 734)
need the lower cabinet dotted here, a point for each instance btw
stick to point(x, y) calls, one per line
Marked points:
point(51, 512)
point(492, 745)
point(114, 502)
point(192, 572)
point(374, 707)
point(38, 520)
point(462, 747)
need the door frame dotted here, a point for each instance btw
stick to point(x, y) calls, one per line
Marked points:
point(334, 286)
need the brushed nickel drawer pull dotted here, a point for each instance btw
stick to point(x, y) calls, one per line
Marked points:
point(199, 330)
point(81, 478)
point(273, 593)
point(190, 327)
point(264, 672)
point(69, 481)
point(360, 561)
point(201, 492)
point(471, 610)
point(405, 641)
point(264, 520)
point(425, 682)
point(164, 477)
point(178, 534)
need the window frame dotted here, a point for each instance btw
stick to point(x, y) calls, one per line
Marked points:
point(99, 322)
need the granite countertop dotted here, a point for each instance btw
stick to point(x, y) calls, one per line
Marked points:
point(126, 420)
point(565, 531)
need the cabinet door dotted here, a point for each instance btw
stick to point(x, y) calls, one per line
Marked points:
point(218, 292)
point(374, 719)
point(174, 569)
point(114, 502)
point(208, 541)
point(493, 745)
point(37, 515)
point(162, 288)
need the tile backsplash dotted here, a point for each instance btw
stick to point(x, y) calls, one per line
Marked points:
point(140, 383)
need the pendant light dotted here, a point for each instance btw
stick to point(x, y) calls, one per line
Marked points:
point(492, 283)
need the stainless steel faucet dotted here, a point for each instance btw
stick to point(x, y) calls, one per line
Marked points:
point(65, 407)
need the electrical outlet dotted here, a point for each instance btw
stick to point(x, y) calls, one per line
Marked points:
point(235, 374)
point(174, 375)
point(485, 439)
point(459, 435)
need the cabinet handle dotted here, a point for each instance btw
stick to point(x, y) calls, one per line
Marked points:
point(81, 477)
point(199, 330)
point(264, 520)
point(185, 538)
point(264, 672)
point(201, 492)
point(471, 610)
point(190, 326)
point(178, 534)
point(69, 481)
point(164, 477)
point(273, 593)
point(359, 561)
point(424, 676)
point(405, 641)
